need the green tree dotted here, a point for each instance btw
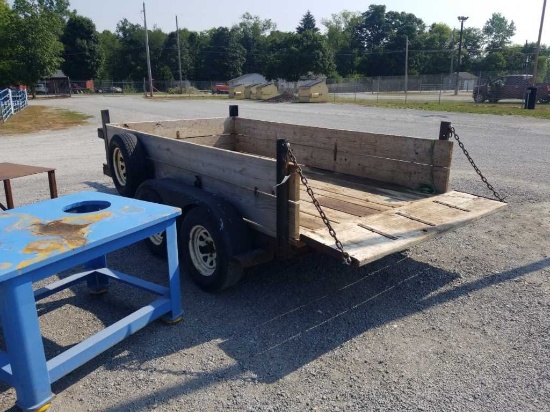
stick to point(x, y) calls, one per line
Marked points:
point(224, 56)
point(169, 56)
point(295, 55)
point(253, 33)
point(82, 50)
point(307, 24)
point(37, 26)
point(340, 28)
point(109, 45)
point(6, 66)
point(439, 46)
point(498, 31)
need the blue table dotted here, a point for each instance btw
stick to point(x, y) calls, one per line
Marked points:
point(40, 240)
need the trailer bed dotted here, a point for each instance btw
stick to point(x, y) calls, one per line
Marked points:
point(375, 220)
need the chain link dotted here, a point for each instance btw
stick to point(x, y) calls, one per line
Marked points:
point(483, 178)
point(346, 258)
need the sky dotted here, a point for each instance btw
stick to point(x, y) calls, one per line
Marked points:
point(205, 14)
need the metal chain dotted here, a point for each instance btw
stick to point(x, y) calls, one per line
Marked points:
point(346, 258)
point(483, 178)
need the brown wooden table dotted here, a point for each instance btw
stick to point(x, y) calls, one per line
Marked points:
point(10, 171)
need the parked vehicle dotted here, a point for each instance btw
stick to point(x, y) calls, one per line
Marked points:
point(510, 87)
point(243, 204)
point(40, 88)
point(76, 89)
point(220, 88)
point(109, 89)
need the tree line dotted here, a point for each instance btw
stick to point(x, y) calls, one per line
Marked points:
point(41, 36)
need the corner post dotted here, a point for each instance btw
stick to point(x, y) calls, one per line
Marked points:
point(283, 237)
point(444, 130)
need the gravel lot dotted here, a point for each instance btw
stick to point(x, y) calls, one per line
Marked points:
point(459, 323)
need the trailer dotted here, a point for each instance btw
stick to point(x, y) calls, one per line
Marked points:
point(252, 191)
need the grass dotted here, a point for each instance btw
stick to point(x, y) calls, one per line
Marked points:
point(38, 118)
point(541, 111)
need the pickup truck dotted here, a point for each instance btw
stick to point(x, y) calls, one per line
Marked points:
point(220, 88)
point(510, 87)
point(236, 181)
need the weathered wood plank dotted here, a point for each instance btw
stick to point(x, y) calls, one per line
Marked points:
point(174, 129)
point(374, 207)
point(226, 142)
point(259, 208)
point(417, 150)
point(396, 171)
point(332, 214)
point(365, 239)
point(238, 169)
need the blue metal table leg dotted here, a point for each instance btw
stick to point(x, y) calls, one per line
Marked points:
point(176, 314)
point(24, 344)
point(98, 283)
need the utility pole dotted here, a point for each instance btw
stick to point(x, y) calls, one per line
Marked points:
point(462, 19)
point(538, 44)
point(406, 67)
point(179, 52)
point(147, 52)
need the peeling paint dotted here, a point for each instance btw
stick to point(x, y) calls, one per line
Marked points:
point(59, 236)
point(132, 209)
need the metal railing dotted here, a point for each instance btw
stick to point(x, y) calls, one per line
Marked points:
point(12, 101)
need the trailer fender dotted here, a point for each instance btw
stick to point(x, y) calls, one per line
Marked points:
point(232, 228)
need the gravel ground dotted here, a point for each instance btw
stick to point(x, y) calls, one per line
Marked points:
point(459, 323)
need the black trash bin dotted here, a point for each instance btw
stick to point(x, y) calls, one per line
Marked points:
point(530, 98)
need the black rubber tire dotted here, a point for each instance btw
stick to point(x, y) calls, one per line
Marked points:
point(479, 98)
point(134, 170)
point(225, 273)
point(150, 195)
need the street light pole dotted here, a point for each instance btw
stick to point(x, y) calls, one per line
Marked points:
point(538, 44)
point(462, 19)
point(406, 67)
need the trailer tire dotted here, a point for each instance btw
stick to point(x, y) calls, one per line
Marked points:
point(127, 161)
point(156, 243)
point(205, 256)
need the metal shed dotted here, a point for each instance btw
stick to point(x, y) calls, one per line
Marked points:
point(315, 91)
point(266, 91)
point(237, 91)
point(250, 91)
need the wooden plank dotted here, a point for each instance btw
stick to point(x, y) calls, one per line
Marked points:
point(374, 207)
point(346, 207)
point(411, 149)
point(234, 168)
point(409, 174)
point(332, 214)
point(366, 245)
point(226, 142)
point(387, 192)
point(183, 128)
point(257, 207)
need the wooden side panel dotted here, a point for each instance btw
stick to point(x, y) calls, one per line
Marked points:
point(248, 182)
point(370, 238)
point(399, 160)
point(257, 207)
point(404, 148)
point(408, 174)
point(184, 128)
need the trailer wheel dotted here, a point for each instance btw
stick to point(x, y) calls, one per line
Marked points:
point(157, 242)
point(127, 162)
point(204, 254)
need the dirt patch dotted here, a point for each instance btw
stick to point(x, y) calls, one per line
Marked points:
point(38, 118)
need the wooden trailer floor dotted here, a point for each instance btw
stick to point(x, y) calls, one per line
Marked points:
point(373, 221)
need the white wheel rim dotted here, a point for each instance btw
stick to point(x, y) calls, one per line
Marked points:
point(202, 250)
point(157, 238)
point(119, 166)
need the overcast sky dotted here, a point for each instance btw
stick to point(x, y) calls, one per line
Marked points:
point(205, 14)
